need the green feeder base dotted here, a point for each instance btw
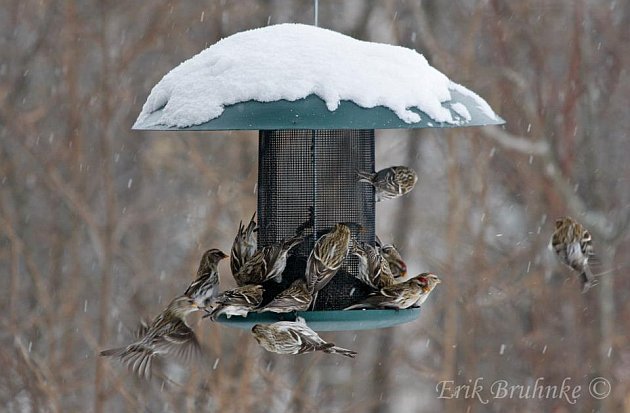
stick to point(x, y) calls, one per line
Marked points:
point(329, 320)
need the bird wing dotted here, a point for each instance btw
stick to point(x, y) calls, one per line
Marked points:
point(244, 246)
point(180, 341)
point(295, 298)
point(142, 329)
point(253, 271)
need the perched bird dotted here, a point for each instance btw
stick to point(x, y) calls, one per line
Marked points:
point(572, 243)
point(296, 297)
point(390, 183)
point(268, 263)
point(294, 337)
point(393, 258)
point(373, 267)
point(411, 293)
point(206, 286)
point(168, 334)
point(244, 246)
point(237, 301)
point(328, 254)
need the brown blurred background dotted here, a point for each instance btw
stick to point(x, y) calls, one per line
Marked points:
point(100, 225)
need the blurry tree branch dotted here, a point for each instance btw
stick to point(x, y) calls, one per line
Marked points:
point(603, 225)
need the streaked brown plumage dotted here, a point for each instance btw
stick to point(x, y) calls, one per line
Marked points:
point(238, 301)
point(572, 243)
point(294, 337)
point(206, 286)
point(296, 297)
point(244, 245)
point(390, 183)
point(396, 263)
point(411, 293)
point(327, 256)
point(168, 334)
point(374, 270)
point(268, 263)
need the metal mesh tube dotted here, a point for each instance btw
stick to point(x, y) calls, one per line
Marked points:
point(315, 170)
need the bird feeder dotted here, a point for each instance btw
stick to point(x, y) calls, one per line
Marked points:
point(316, 97)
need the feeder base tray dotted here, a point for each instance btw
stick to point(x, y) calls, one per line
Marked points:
point(329, 320)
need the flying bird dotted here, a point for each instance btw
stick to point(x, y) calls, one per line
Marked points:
point(168, 334)
point(411, 293)
point(294, 337)
point(238, 301)
point(572, 243)
point(206, 286)
point(390, 183)
point(244, 246)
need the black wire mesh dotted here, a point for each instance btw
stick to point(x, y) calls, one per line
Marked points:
point(311, 175)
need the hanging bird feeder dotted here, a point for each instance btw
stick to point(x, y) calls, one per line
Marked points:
point(316, 96)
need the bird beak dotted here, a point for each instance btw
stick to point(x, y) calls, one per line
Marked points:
point(224, 255)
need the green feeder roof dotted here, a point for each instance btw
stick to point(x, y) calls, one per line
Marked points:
point(311, 113)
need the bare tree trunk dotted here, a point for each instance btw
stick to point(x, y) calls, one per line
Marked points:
point(110, 211)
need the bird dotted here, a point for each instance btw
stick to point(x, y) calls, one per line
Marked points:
point(393, 258)
point(373, 268)
point(167, 334)
point(244, 246)
point(390, 183)
point(296, 297)
point(572, 243)
point(294, 337)
point(411, 293)
point(238, 301)
point(206, 286)
point(327, 256)
point(268, 263)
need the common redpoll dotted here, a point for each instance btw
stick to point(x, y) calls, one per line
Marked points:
point(411, 293)
point(327, 256)
point(296, 297)
point(390, 183)
point(238, 301)
point(394, 259)
point(267, 264)
point(168, 334)
point(572, 243)
point(373, 268)
point(206, 286)
point(294, 337)
point(244, 246)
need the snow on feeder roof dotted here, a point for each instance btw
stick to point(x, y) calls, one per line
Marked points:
point(316, 96)
point(295, 76)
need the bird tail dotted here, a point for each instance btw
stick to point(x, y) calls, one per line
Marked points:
point(333, 349)
point(113, 352)
point(365, 176)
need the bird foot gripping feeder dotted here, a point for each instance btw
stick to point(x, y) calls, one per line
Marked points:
point(316, 96)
